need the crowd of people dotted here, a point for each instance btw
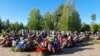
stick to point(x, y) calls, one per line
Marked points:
point(42, 41)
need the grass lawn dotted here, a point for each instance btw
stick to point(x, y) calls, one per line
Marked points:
point(1, 37)
point(96, 41)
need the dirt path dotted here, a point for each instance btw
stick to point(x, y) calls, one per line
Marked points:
point(8, 52)
point(81, 50)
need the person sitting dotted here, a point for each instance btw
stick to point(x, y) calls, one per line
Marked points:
point(76, 37)
point(71, 42)
point(41, 47)
point(7, 41)
point(55, 46)
point(2, 39)
point(64, 41)
point(19, 46)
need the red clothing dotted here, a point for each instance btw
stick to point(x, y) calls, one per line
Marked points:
point(60, 40)
point(41, 50)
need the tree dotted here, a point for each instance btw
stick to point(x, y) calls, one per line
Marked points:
point(0, 25)
point(48, 22)
point(34, 19)
point(16, 26)
point(3, 25)
point(93, 17)
point(7, 24)
point(94, 27)
point(12, 27)
point(75, 21)
point(85, 27)
point(21, 26)
point(57, 15)
point(99, 28)
point(70, 19)
point(63, 23)
point(41, 24)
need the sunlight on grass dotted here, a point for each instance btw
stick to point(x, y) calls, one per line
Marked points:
point(96, 41)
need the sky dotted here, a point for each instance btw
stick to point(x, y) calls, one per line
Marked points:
point(19, 10)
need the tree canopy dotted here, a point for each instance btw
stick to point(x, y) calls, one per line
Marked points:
point(64, 18)
point(33, 20)
point(70, 19)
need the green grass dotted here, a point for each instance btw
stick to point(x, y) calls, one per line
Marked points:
point(96, 41)
point(1, 37)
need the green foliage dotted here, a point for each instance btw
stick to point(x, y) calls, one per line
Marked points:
point(63, 23)
point(57, 15)
point(34, 20)
point(70, 19)
point(93, 17)
point(75, 21)
point(94, 27)
point(21, 26)
point(0, 24)
point(16, 26)
point(99, 28)
point(3, 25)
point(85, 27)
point(48, 22)
point(64, 18)
point(8, 26)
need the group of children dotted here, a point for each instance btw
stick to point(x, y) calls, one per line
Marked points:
point(42, 41)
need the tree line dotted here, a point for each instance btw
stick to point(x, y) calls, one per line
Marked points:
point(8, 26)
point(64, 18)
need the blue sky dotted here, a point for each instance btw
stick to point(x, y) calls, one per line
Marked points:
point(18, 10)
